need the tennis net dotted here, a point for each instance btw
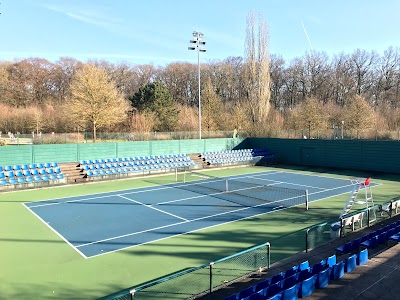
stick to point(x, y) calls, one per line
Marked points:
point(244, 193)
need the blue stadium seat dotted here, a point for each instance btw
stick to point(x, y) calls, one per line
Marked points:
point(307, 287)
point(350, 263)
point(273, 289)
point(291, 271)
point(277, 278)
point(18, 173)
point(370, 243)
point(37, 178)
point(8, 168)
point(10, 174)
point(3, 182)
point(290, 281)
point(34, 172)
point(12, 180)
point(255, 296)
point(47, 165)
point(2, 175)
point(337, 271)
point(53, 177)
point(290, 293)
point(57, 170)
point(331, 260)
point(304, 265)
point(26, 172)
point(246, 292)
point(60, 176)
point(323, 278)
point(28, 179)
point(40, 166)
point(42, 171)
point(49, 171)
point(318, 267)
point(45, 178)
point(232, 297)
point(32, 166)
point(24, 167)
point(54, 164)
point(344, 249)
point(262, 285)
point(305, 274)
point(362, 257)
point(21, 180)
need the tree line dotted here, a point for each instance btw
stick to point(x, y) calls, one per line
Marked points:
point(314, 91)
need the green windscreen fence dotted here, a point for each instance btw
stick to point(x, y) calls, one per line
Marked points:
point(25, 154)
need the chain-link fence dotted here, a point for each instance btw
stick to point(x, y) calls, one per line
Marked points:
point(203, 279)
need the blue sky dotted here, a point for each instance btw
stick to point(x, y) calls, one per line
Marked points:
point(158, 31)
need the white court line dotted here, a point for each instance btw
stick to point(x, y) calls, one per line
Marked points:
point(152, 207)
point(285, 182)
point(129, 192)
point(212, 194)
point(189, 221)
point(56, 232)
point(207, 227)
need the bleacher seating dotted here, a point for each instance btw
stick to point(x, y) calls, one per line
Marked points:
point(131, 165)
point(32, 175)
point(302, 280)
point(230, 157)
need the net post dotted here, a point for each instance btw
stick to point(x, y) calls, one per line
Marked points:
point(306, 199)
point(226, 186)
point(211, 277)
point(268, 255)
point(132, 293)
point(176, 174)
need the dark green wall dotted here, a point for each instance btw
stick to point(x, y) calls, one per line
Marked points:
point(383, 156)
point(25, 154)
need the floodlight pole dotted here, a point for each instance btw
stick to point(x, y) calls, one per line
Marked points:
point(198, 41)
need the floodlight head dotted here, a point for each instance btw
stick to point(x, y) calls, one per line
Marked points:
point(193, 41)
point(195, 33)
point(191, 48)
point(202, 42)
point(202, 50)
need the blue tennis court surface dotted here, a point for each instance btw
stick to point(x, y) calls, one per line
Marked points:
point(102, 223)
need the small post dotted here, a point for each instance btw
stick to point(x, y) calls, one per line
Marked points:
point(307, 231)
point(211, 276)
point(268, 255)
point(306, 199)
point(368, 216)
point(341, 233)
point(226, 186)
point(132, 293)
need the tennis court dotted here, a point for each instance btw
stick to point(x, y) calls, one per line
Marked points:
point(102, 223)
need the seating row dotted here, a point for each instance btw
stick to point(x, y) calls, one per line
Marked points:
point(131, 159)
point(28, 166)
point(125, 170)
point(234, 156)
point(301, 281)
point(371, 240)
point(30, 172)
point(31, 179)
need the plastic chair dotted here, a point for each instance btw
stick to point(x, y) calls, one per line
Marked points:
point(290, 293)
point(273, 289)
point(350, 263)
point(262, 285)
point(323, 278)
point(307, 287)
point(305, 274)
point(246, 292)
point(232, 297)
point(337, 271)
point(304, 265)
point(362, 257)
point(318, 267)
point(277, 278)
point(255, 296)
point(290, 281)
point(331, 260)
point(344, 249)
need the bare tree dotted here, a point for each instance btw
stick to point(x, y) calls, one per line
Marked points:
point(257, 68)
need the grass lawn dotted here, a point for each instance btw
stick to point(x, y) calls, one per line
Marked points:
point(35, 263)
